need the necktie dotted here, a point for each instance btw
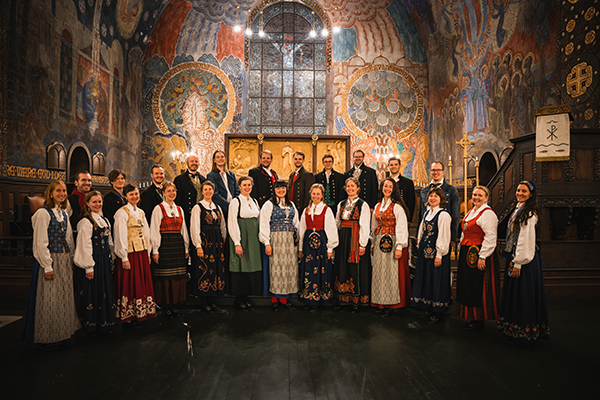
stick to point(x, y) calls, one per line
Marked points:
point(292, 188)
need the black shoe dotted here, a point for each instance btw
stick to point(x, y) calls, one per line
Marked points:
point(385, 313)
point(207, 309)
point(434, 319)
point(275, 306)
point(175, 314)
point(354, 310)
point(473, 325)
point(314, 309)
point(242, 307)
point(250, 306)
point(132, 324)
point(427, 314)
point(378, 310)
point(215, 307)
point(289, 306)
point(167, 313)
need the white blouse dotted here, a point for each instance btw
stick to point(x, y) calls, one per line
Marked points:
point(157, 216)
point(401, 225)
point(264, 233)
point(120, 230)
point(330, 226)
point(442, 245)
point(196, 223)
point(84, 250)
point(249, 209)
point(40, 222)
point(525, 246)
point(488, 222)
point(364, 221)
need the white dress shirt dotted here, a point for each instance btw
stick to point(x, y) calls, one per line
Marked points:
point(249, 209)
point(364, 220)
point(84, 250)
point(157, 216)
point(442, 245)
point(329, 225)
point(224, 178)
point(401, 229)
point(196, 222)
point(120, 230)
point(40, 222)
point(264, 233)
point(525, 246)
point(488, 222)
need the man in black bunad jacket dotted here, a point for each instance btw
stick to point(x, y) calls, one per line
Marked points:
point(406, 186)
point(153, 196)
point(369, 186)
point(264, 178)
point(332, 181)
point(188, 188)
point(299, 183)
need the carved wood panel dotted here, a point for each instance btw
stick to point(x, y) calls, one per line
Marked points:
point(528, 164)
point(584, 165)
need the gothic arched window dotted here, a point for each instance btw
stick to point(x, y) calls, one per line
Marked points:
point(287, 71)
point(56, 157)
point(98, 164)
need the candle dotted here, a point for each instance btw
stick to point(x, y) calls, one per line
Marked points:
point(449, 158)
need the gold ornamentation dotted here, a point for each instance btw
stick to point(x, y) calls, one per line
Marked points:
point(589, 114)
point(314, 139)
point(553, 110)
point(590, 13)
point(590, 37)
point(260, 138)
point(579, 79)
point(573, 1)
point(570, 25)
point(156, 108)
point(569, 48)
point(408, 77)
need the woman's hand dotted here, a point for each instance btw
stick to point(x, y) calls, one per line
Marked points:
point(89, 275)
point(126, 265)
point(516, 272)
point(200, 252)
point(361, 251)
point(268, 250)
point(438, 262)
point(155, 258)
point(398, 254)
point(49, 275)
point(239, 251)
point(187, 255)
point(329, 255)
point(481, 264)
point(300, 254)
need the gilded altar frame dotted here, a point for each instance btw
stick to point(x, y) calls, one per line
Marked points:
point(243, 150)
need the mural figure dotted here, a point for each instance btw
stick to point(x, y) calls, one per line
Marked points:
point(419, 169)
point(287, 153)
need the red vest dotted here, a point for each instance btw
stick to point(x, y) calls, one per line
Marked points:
point(170, 223)
point(318, 222)
point(386, 223)
point(472, 233)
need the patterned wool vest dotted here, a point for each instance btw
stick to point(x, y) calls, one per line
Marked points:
point(169, 223)
point(279, 222)
point(386, 221)
point(430, 235)
point(57, 233)
point(135, 232)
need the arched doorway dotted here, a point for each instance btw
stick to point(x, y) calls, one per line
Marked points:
point(488, 166)
point(79, 160)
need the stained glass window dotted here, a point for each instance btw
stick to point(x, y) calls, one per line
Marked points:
point(287, 77)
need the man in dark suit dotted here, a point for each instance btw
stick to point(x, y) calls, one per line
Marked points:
point(332, 181)
point(299, 183)
point(369, 186)
point(153, 196)
point(83, 184)
point(188, 188)
point(114, 199)
point(452, 200)
point(226, 187)
point(406, 186)
point(264, 178)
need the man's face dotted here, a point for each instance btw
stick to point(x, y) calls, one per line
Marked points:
point(158, 175)
point(394, 167)
point(358, 158)
point(437, 173)
point(328, 164)
point(84, 183)
point(265, 160)
point(192, 164)
point(298, 160)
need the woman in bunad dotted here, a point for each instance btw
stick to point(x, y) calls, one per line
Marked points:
point(51, 317)
point(94, 287)
point(133, 283)
point(391, 277)
point(431, 286)
point(318, 236)
point(352, 266)
point(278, 222)
point(523, 316)
point(478, 280)
point(169, 238)
point(208, 236)
point(245, 266)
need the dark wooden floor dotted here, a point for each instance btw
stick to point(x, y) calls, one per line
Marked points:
point(298, 355)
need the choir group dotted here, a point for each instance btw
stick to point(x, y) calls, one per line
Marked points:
point(329, 239)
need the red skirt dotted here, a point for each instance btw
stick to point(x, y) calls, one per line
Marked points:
point(133, 288)
point(403, 282)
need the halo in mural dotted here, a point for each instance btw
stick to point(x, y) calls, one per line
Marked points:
point(382, 98)
point(194, 98)
point(129, 13)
